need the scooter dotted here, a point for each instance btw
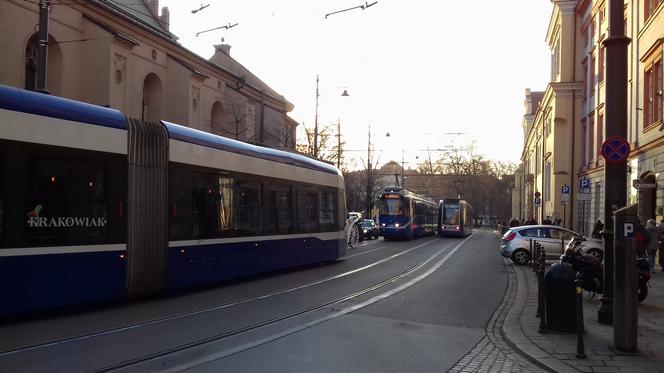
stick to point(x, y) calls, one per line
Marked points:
point(591, 270)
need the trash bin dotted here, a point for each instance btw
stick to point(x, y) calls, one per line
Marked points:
point(560, 296)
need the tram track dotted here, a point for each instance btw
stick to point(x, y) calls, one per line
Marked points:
point(165, 353)
point(204, 310)
point(129, 364)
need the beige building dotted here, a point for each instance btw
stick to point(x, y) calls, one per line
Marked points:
point(563, 143)
point(121, 54)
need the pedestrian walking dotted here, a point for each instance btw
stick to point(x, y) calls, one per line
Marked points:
point(597, 230)
point(661, 244)
point(652, 242)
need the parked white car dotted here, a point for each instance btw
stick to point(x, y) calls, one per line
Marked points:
point(516, 242)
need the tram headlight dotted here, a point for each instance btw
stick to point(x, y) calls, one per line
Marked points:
point(365, 231)
point(396, 225)
point(383, 224)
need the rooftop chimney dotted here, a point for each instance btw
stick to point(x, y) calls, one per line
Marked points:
point(165, 18)
point(222, 48)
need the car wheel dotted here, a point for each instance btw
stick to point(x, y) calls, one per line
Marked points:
point(520, 256)
point(597, 253)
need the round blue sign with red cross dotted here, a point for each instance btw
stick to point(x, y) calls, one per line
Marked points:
point(615, 149)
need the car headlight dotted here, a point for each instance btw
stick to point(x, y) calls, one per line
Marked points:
point(365, 231)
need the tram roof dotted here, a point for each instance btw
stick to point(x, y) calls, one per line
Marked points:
point(194, 136)
point(12, 98)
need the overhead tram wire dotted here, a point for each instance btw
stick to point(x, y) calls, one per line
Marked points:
point(363, 7)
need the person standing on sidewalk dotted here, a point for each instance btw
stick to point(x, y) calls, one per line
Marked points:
point(597, 230)
point(652, 242)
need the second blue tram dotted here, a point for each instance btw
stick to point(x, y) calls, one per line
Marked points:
point(455, 218)
point(404, 214)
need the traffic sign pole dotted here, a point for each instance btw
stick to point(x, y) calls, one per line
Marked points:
point(615, 174)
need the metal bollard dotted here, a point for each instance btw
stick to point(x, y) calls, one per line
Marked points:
point(536, 247)
point(541, 309)
point(580, 348)
point(532, 261)
point(540, 285)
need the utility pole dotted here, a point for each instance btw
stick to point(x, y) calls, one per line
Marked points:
point(369, 187)
point(615, 174)
point(339, 143)
point(316, 122)
point(42, 50)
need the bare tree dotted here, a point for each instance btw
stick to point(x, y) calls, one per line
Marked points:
point(235, 124)
point(328, 150)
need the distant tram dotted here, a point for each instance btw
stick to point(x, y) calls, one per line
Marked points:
point(404, 214)
point(455, 218)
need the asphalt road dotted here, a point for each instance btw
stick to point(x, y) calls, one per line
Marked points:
point(427, 327)
point(388, 307)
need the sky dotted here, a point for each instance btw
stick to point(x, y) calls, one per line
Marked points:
point(433, 74)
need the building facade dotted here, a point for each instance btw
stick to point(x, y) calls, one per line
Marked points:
point(121, 54)
point(562, 146)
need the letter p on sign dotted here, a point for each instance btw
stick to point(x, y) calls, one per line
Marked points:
point(629, 229)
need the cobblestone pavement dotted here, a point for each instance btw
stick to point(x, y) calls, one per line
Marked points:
point(493, 353)
point(558, 350)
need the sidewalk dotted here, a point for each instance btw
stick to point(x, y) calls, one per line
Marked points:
point(557, 351)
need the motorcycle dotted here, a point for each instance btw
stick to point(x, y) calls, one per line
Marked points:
point(591, 271)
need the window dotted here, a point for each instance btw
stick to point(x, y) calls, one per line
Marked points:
point(560, 234)
point(326, 211)
point(591, 139)
point(649, 7)
point(199, 206)
point(249, 208)
point(584, 142)
point(307, 219)
point(391, 206)
point(600, 135)
point(547, 181)
point(600, 74)
point(593, 61)
point(585, 78)
point(67, 202)
point(279, 210)
point(653, 93)
point(585, 37)
point(534, 232)
point(451, 215)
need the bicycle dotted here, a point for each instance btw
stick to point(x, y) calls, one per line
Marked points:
point(353, 231)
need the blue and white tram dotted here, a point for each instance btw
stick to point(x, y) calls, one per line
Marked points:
point(455, 218)
point(404, 214)
point(95, 207)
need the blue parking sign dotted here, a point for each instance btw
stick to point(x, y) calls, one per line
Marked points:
point(565, 189)
point(584, 183)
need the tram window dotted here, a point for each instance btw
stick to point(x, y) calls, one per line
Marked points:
point(326, 210)
point(249, 209)
point(205, 205)
point(307, 220)
point(451, 214)
point(226, 215)
point(391, 206)
point(279, 210)
point(180, 222)
point(66, 202)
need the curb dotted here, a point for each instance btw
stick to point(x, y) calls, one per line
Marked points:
point(515, 336)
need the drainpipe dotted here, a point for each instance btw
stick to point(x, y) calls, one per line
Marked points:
point(572, 170)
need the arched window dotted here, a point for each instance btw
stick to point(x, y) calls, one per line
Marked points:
point(152, 98)
point(217, 122)
point(53, 65)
